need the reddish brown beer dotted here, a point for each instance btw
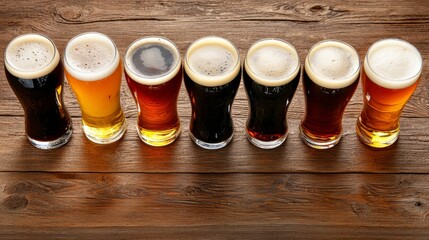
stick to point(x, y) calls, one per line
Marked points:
point(330, 79)
point(154, 75)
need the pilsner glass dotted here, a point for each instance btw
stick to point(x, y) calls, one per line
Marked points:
point(34, 71)
point(391, 72)
point(94, 72)
point(212, 76)
point(271, 76)
point(154, 75)
point(330, 79)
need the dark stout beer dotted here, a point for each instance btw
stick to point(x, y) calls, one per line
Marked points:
point(212, 76)
point(271, 76)
point(34, 72)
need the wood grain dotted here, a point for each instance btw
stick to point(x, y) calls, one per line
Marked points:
point(216, 201)
point(130, 190)
point(409, 155)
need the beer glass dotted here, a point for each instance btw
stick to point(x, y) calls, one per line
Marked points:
point(212, 76)
point(271, 76)
point(331, 75)
point(153, 72)
point(391, 72)
point(94, 72)
point(35, 74)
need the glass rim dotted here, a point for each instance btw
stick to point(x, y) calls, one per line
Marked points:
point(162, 78)
point(277, 82)
point(412, 78)
point(23, 74)
point(216, 79)
point(96, 75)
point(347, 80)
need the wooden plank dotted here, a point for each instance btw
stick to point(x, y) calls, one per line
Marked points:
point(130, 154)
point(209, 232)
point(81, 12)
point(212, 202)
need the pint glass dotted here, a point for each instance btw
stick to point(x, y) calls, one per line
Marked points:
point(94, 72)
point(391, 72)
point(35, 73)
point(330, 79)
point(212, 76)
point(271, 76)
point(153, 71)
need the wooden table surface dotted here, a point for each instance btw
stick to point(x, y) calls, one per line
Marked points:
point(130, 190)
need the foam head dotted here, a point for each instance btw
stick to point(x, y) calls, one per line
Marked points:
point(393, 63)
point(272, 62)
point(31, 56)
point(152, 60)
point(332, 64)
point(91, 56)
point(212, 61)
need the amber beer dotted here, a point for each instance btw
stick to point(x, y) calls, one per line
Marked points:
point(330, 79)
point(212, 76)
point(154, 75)
point(391, 72)
point(94, 72)
point(271, 76)
point(35, 73)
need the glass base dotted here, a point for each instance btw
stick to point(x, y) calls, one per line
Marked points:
point(47, 145)
point(318, 142)
point(105, 135)
point(375, 138)
point(266, 144)
point(211, 146)
point(158, 138)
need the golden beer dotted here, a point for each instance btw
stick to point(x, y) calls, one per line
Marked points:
point(94, 71)
point(391, 72)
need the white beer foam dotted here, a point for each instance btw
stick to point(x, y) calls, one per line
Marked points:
point(393, 63)
point(31, 56)
point(91, 56)
point(332, 64)
point(152, 58)
point(212, 61)
point(272, 62)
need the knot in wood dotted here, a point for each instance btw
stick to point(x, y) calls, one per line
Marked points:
point(317, 10)
point(15, 202)
point(191, 190)
point(322, 9)
point(359, 209)
point(69, 13)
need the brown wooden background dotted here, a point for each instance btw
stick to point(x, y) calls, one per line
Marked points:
point(130, 190)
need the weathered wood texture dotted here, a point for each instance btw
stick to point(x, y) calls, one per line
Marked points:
point(213, 202)
point(130, 190)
